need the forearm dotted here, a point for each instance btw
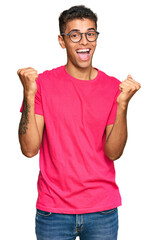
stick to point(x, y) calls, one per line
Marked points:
point(28, 132)
point(117, 138)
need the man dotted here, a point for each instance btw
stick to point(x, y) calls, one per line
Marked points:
point(76, 115)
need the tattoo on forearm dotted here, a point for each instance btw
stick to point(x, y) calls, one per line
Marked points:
point(25, 118)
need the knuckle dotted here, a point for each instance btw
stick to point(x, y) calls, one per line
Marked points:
point(25, 74)
point(29, 68)
point(29, 75)
point(18, 72)
point(126, 81)
point(129, 81)
point(22, 72)
point(135, 88)
point(123, 82)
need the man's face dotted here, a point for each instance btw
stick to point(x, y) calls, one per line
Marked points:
point(74, 50)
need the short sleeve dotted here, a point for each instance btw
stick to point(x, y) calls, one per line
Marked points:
point(38, 99)
point(112, 115)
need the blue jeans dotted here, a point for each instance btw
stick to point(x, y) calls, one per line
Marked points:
point(88, 226)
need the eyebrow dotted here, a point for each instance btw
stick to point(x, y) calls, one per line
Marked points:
point(77, 30)
point(92, 29)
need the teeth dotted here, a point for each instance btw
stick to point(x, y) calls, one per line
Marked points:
point(83, 50)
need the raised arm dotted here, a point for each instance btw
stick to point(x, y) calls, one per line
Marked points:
point(31, 125)
point(116, 134)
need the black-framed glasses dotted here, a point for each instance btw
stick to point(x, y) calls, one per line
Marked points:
point(76, 36)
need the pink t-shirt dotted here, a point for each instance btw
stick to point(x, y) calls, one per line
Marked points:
point(75, 174)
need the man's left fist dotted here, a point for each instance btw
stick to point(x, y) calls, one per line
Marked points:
point(128, 88)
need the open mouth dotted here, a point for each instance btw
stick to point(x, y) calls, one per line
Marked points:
point(84, 54)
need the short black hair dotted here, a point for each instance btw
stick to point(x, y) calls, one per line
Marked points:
point(76, 12)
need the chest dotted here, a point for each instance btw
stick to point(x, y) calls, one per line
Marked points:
point(68, 103)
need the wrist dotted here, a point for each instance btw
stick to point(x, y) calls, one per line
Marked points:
point(29, 95)
point(122, 106)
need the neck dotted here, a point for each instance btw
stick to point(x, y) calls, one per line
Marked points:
point(87, 73)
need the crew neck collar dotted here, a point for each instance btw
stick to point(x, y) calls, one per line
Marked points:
point(79, 80)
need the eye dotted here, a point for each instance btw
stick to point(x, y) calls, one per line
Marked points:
point(74, 35)
point(91, 34)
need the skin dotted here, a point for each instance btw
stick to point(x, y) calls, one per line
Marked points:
point(82, 70)
point(116, 134)
point(31, 125)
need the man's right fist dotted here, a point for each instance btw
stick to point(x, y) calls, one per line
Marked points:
point(28, 78)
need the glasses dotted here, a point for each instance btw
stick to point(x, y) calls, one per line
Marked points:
point(76, 36)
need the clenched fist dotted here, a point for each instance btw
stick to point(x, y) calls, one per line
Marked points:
point(28, 78)
point(128, 88)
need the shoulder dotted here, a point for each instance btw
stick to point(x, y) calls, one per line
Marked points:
point(48, 75)
point(109, 78)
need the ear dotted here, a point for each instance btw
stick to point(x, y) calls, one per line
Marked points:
point(61, 41)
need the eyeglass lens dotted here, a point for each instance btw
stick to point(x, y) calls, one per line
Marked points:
point(76, 36)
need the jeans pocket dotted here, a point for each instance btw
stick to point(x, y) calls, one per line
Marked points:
point(106, 212)
point(43, 213)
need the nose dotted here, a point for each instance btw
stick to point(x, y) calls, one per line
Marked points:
point(84, 39)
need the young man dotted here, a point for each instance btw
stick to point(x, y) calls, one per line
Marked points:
point(76, 115)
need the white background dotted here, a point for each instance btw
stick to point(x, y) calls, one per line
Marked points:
point(127, 44)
